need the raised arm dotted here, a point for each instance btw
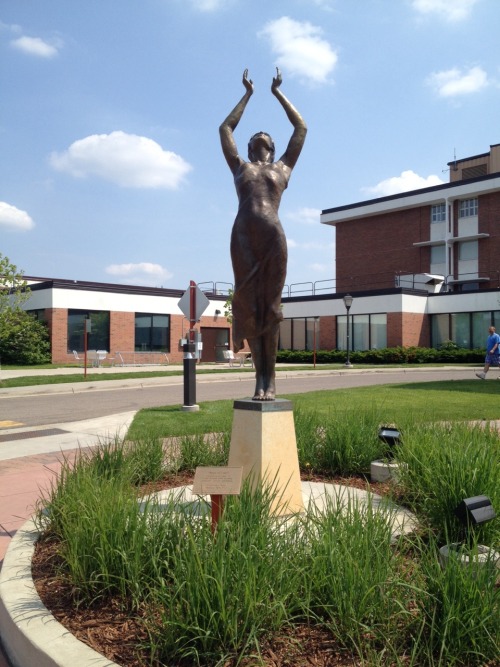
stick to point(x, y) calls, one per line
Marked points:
point(291, 155)
point(226, 128)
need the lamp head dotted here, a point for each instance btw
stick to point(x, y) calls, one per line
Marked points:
point(348, 301)
point(475, 511)
point(391, 437)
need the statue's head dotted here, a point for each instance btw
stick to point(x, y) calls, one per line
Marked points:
point(259, 140)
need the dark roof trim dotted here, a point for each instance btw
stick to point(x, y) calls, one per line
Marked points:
point(410, 193)
point(55, 283)
point(83, 285)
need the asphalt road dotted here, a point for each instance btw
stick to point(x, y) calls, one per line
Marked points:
point(57, 404)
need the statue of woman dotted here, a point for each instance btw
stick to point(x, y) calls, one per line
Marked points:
point(258, 243)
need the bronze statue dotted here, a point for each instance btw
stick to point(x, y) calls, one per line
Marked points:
point(258, 243)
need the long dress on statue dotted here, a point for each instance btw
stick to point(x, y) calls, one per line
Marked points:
point(258, 251)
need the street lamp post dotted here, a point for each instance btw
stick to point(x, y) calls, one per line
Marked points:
point(348, 303)
point(314, 341)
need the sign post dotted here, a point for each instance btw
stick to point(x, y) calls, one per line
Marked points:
point(193, 304)
point(217, 482)
point(87, 328)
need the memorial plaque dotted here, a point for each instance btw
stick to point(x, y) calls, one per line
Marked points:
point(212, 480)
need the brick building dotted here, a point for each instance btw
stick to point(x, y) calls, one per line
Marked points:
point(141, 324)
point(423, 266)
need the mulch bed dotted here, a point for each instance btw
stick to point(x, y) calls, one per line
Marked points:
point(116, 633)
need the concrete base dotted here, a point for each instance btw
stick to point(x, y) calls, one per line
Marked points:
point(485, 557)
point(384, 471)
point(263, 443)
point(191, 408)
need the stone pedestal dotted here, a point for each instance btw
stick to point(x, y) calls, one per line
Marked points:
point(263, 443)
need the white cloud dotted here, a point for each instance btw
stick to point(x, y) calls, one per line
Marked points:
point(127, 160)
point(142, 273)
point(34, 46)
point(408, 180)
point(452, 82)
point(300, 49)
point(291, 243)
point(305, 216)
point(13, 218)
point(11, 27)
point(450, 10)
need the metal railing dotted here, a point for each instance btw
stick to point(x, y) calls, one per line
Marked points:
point(312, 288)
point(216, 288)
point(145, 358)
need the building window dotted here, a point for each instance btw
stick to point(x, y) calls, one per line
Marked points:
point(461, 333)
point(152, 333)
point(367, 332)
point(98, 337)
point(438, 213)
point(299, 333)
point(38, 314)
point(285, 342)
point(438, 254)
point(378, 331)
point(468, 208)
point(440, 330)
point(467, 330)
point(468, 250)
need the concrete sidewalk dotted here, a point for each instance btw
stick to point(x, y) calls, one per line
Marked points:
point(30, 461)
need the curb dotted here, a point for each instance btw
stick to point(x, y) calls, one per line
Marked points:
point(30, 634)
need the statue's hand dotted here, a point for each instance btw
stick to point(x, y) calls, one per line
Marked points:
point(248, 83)
point(276, 81)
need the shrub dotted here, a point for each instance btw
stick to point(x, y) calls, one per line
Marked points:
point(23, 339)
point(389, 355)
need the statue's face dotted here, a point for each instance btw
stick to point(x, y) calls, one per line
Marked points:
point(261, 148)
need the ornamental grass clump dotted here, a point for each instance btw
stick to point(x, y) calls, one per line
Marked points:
point(442, 465)
point(356, 584)
point(341, 443)
point(201, 449)
point(226, 591)
point(460, 611)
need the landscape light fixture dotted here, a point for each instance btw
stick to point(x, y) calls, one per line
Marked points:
point(475, 511)
point(391, 437)
point(348, 299)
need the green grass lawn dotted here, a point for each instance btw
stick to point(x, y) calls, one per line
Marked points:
point(456, 400)
point(78, 376)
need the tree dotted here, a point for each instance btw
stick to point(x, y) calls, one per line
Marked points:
point(228, 306)
point(23, 339)
point(14, 290)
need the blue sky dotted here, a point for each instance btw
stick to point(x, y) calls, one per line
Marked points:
point(111, 168)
